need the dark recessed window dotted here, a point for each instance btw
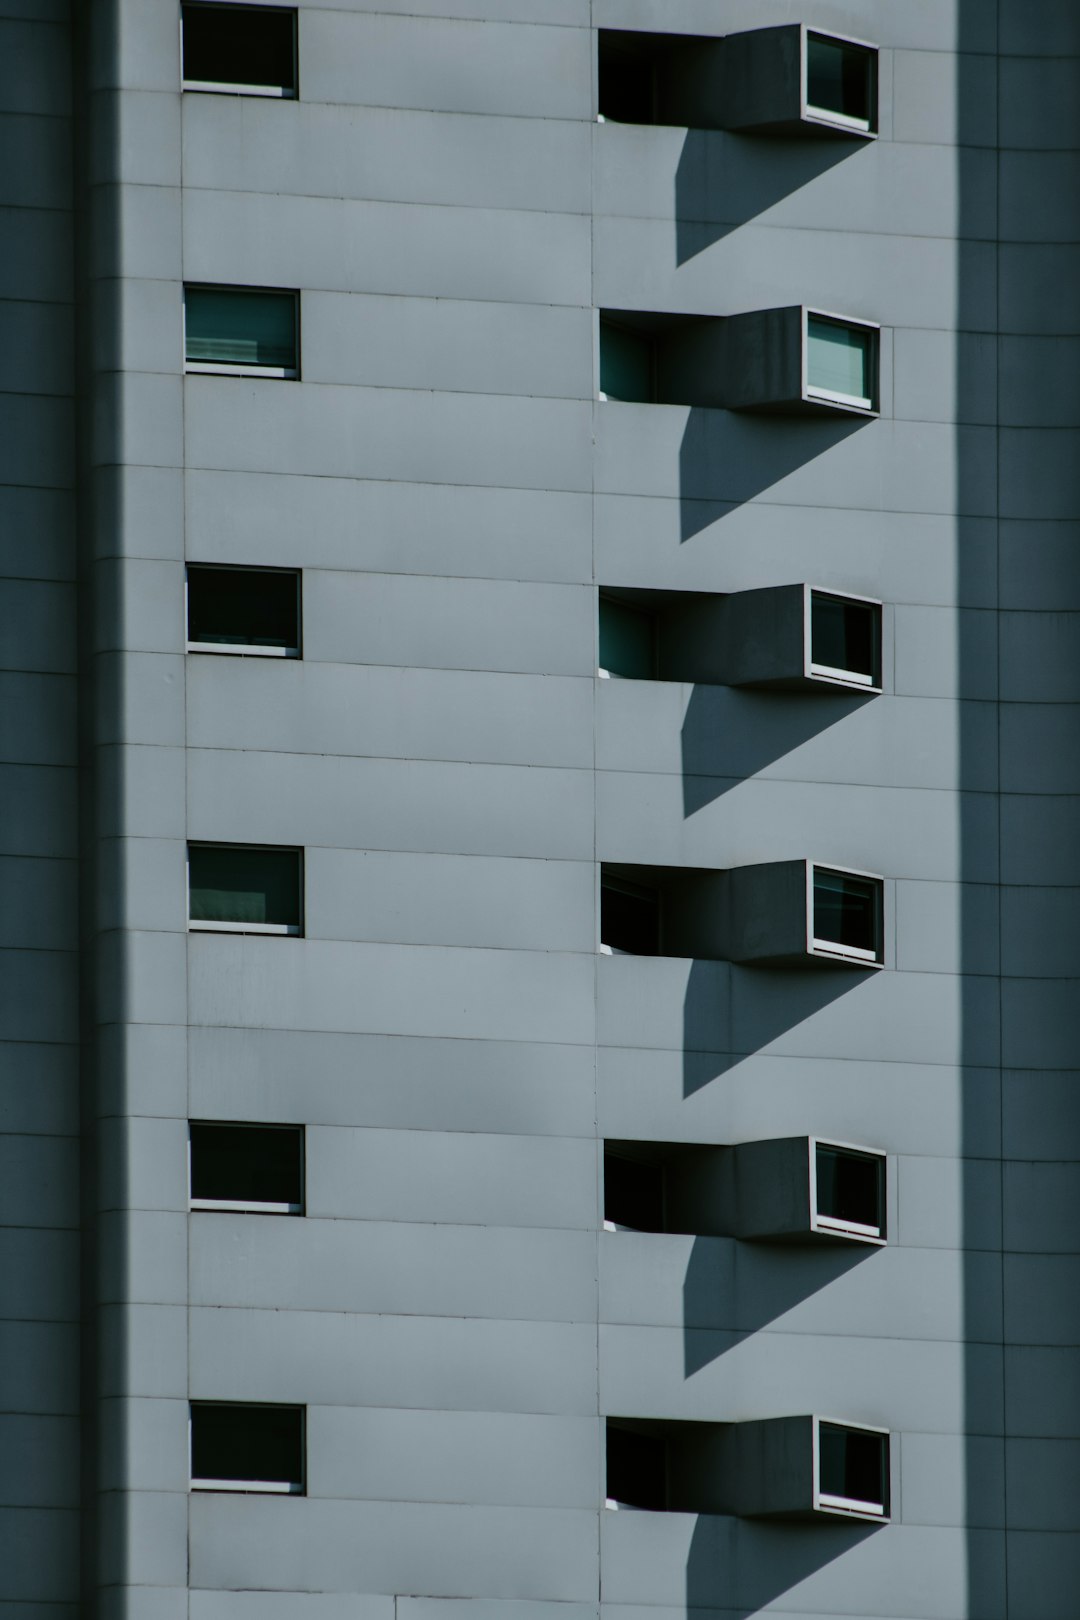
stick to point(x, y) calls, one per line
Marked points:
point(850, 1191)
point(245, 888)
point(627, 363)
point(627, 640)
point(633, 1192)
point(627, 78)
point(845, 639)
point(853, 1469)
point(847, 914)
point(258, 1448)
point(246, 49)
point(252, 1167)
point(245, 331)
point(841, 362)
point(629, 917)
point(636, 1468)
point(841, 82)
point(244, 610)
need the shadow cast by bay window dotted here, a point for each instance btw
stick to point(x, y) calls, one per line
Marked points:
point(252, 612)
point(255, 1169)
point(242, 331)
point(245, 889)
point(238, 49)
point(247, 1447)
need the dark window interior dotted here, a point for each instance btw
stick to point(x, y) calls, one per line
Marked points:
point(627, 78)
point(240, 326)
point(627, 362)
point(247, 1164)
point(627, 640)
point(840, 78)
point(241, 884)
point(851, 1186)
point(633, 1192)
point(847, 910)
point(247, 1442)
point(853, 1464)
point(636, 1468)
point(846, 635)
point(244, 607)
point(629, 917)
point(254, 45)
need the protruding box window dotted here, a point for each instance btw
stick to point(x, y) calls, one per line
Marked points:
point(247, 1447)
point(636, 1468)
point(243, 610)
point(846, 912)
point(849, 1191)
point(852, 1470)
point(255, 1168)
point(633, 1192)
point(241, 331)
point(239, 50)
point(629, 917)
point(841, 361)
point(845, 640)
point(841, 82)
point(245, 889)
point(627, 640)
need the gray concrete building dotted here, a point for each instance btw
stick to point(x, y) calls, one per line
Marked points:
point(539, 738)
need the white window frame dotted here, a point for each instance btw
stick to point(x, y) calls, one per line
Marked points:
point(865, 405)
point(832, 950)
point(811, 114)
point(241, 1206)
point(825, 673)
point(849, 1507)
point(221, 87)
point(197, 926)
point(245, 649)
point(829, 1225)
point(260, 1487)
point(214, 368)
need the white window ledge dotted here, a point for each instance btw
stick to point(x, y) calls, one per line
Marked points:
point(846, 677)
point(218, 87)
point(197, 926)
point(214, 368)
point(828, 1223)
point(243, 1206)
point(860, 126)
point(844, 953)
point(242, 649)
point(268, 1487)
point(850, 1504)
point(856, 402)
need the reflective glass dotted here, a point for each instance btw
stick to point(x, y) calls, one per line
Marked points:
point(852, 1464)
point(838, 359)
point(844, 635)
point(235, 883)
point(839, 78)
point(241, 328)
point(847, 910)
point(850, 1186)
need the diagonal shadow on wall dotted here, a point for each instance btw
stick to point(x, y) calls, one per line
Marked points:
point(723, 180)
point(753, 1562)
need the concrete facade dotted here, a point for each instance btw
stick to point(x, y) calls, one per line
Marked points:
point(449, 1309)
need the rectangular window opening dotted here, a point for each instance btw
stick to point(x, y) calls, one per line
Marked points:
point(629, 917)
point(841, 82)
point(245, 50)
point(243, 888)
point(845, 639)
point(847, 915)
point(247, 1447)
point(850, 1191)
point(243, 610)
point(853, 1469)
point(636, 1469)
point(627, 363)
point(841, 362)
point(633, 1192)
point(628, 638)
point(627, 78)
point(241, 331)
point(257, 1168)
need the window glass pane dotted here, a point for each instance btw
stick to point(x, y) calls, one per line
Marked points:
point(852, 1464)
point(242, 328)
point(844, 635)
point(247, 1442)
point(627, 640)
point(247, 1164)
point(243, 607)
point(626, 81)
point(633, 1193)
point(851, 1186)
point(839, 78)
point(838, 358)
point(629, 917)
point(847, 910)
point(240, 45)
point(233, 883)
point(636, 1468)
point(626, 363)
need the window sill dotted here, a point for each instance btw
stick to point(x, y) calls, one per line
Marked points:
point(239, 1206)
point(851, 1508)
point(838, 120)
point(826, 950)
point(218, 87)
point(844, 677)
point(264, 1487)
point(198, 926)
point(213, 368)
point(828, 1227)
point(842, 402)
point(242, 649)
